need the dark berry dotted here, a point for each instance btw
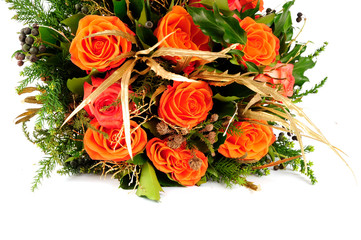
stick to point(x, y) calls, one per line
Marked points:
point(84, 10)
point(35, 32)
point(299, 19)
point(29, 40)
point(22, 37)
point(269, 10)
point(33, 58)
point(294, 138)
point(148, 24)
point(27, 30)
point(34, 50)
point(21, 56)
point(282, 166)
point(22, 31)
point(299, 14)
point(78, 7)
point(35, 25)
point(17, 55)
point(276, 167)
point(20, 63)
point(42, 48)
point(26, 47)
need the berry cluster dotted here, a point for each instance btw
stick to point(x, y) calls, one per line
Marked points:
point(30, 46)
point(82, 9)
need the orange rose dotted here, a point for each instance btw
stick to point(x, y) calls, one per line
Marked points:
point(251, 144)
point(187, 35)
point(97, 52)
point(279, 75)
point(113, 147)
point(184, 166)
point(262, 46)
point(186, 104)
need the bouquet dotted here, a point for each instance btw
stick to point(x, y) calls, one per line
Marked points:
point(160, 93)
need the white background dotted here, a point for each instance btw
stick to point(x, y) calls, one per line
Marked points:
point(287, 207)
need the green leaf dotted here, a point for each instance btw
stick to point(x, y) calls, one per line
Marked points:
point(302, 65)
point(220, 140)
point(223, 109)
point(120, 9)
point(135, 8)
point(206, 21)
point(149, 186)
point(203, 180)
point(296, 51)
point(251, 12)
point(234, 89)
point(220, 28)
point(139, 159)
point(76, 85)
point(283, 19)
point(145, 36)
point(233, 33)
point(268, 19)
point(252, 67)
point(166, 181)
point(49, 35)
point(225, 99)
point(221, 4)
point(73, 21)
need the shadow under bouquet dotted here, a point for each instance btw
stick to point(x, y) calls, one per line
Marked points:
point(161, 93)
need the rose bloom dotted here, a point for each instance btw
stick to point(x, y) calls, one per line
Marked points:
point(187, 35)
point(186, 104)
point(250, 145)
point(97, 52)
point(279, 75)
point(113, 148)
point(184, 166)
point(106, 108)
point(262, 46)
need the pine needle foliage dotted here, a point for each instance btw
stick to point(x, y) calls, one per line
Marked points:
point(48, 13)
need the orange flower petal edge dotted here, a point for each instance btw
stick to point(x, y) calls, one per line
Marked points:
point(113, 147)
point(97, 52)
point(183, 165)
point(262, 46)
point(250, 145)
point(187, 35)
point(186, 104)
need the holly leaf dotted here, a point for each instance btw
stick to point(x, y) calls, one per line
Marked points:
point(206, 21)
point(222, 29)
point(300, 67)
point(233, 33)
point(149, 186)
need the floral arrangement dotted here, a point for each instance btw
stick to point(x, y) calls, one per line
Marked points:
point(161, 93)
